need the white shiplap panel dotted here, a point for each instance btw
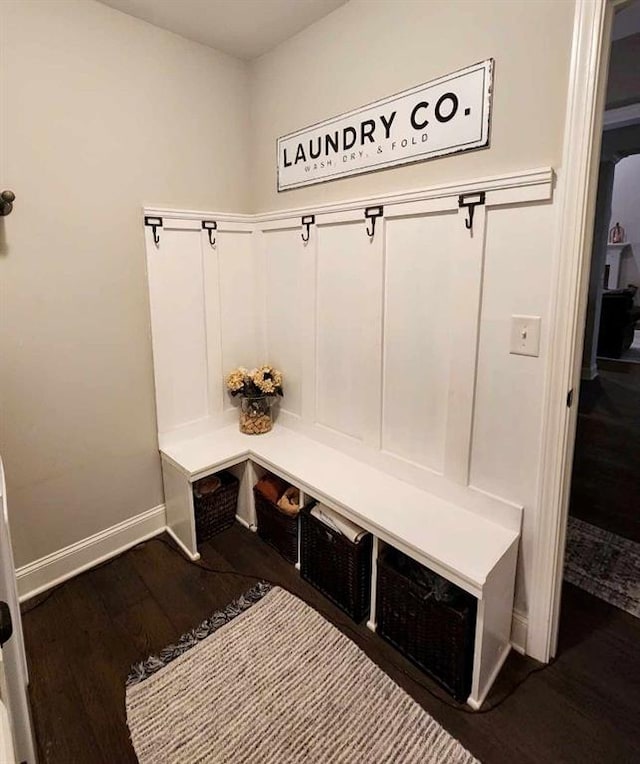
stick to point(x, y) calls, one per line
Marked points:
point(348, 329)
point(239, 302)
point(419, 312)
point(178, 327)
point(284, 257)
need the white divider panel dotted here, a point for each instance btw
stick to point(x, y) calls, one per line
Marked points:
point(509, 406)
point(178, 324)
point(349, 328)
point(420, 312)
point(240, 301)
point(286, 317)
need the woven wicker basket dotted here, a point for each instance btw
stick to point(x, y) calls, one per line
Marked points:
point(216, 511)
point(437, 636)
point(277, 528)
point(340, 569)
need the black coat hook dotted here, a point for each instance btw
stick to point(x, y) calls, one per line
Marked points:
point(307, 221)
point(372, 214)
point(7, 199)
point(470, 201)
point(210, 226)
point(154, 224)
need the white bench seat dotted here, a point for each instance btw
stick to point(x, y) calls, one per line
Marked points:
point(466, 548)
point(456, 542)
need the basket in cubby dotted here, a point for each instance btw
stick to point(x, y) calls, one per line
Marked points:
point(435, 631)
point(215, 510)
point(276, 527)
point(337, 566)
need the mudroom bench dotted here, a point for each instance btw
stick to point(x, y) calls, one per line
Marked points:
point(464, 547)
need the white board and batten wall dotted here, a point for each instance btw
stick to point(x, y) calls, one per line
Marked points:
point(392, 346)
point(395, 347)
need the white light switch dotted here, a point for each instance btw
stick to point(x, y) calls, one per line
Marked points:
point(525, 335)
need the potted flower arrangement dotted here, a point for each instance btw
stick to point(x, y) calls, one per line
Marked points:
point(257, 389)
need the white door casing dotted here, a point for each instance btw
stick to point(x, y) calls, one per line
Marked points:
point(15, 677)
point(575, 212)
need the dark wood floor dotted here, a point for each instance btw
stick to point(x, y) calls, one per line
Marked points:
point(80, 643)
point(606, 470)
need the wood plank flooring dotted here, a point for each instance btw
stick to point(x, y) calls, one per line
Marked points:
point(82, 640)
point(606, 468)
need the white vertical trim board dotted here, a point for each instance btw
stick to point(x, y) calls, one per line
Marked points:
point(464, 361)
point(42, 574)
point(213, 338)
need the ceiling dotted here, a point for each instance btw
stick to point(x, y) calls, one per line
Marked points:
point(243, 28)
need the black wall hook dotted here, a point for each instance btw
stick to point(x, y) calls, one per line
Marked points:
point(307, 221)
point(154, 223)
point(7, 199)
point(470, 201)
point(372, 214)
point(210, 226)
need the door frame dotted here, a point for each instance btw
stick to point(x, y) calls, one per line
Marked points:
point(576, 196)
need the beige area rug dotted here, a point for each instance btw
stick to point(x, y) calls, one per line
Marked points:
point(270, 680)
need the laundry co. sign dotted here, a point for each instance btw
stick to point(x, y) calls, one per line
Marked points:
point(444, 116)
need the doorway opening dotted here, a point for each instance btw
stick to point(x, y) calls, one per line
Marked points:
point(602, 557)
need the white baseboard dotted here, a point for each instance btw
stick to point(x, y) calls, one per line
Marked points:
point(42, 574)
point(519, 626)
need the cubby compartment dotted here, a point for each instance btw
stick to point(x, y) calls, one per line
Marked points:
point(215, 502)
point(336, 565)
point(428, 619)
point(278, 514)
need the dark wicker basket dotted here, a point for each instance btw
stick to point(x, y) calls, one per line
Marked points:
point(437, 636)
point(216, 511)
point(277, 527)
point(340, 569)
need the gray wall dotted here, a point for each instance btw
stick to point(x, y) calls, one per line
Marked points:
point(100, 114)
point(367, 50)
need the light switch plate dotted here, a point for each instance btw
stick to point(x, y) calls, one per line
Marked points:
point(525, 335)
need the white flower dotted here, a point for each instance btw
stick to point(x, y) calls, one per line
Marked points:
point(236, 380)
point(267, 379)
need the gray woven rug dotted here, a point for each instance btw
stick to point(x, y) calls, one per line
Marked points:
point(270, 680)
point(603, 564)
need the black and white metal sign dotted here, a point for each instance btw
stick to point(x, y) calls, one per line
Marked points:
point(444, 116)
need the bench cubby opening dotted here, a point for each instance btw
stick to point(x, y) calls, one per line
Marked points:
point(278, 525)
point(428, 619)
point(215, 504)
point(335, 565)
